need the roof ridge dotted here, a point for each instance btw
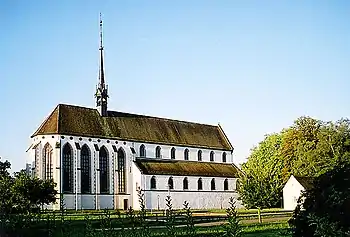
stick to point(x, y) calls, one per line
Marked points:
point(143, 115)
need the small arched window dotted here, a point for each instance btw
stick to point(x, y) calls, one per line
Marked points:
point(200, 184)
point(172, 153)
point(211, 156)
point(212, 184)
point(153, 182)
point(186, 154)
point(142, 151)
point(185, 183)
point(158, 152)
point(224, 157)
point(170, 183)
point(200, 155)
point(226, 185)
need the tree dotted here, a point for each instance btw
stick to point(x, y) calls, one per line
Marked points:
point(21, 193)
point(324, 209)
point(261, 185)
point(309, 147)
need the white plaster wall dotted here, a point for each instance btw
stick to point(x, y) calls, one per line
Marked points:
point(87, 201)
point(291, 193)
point(198, 199)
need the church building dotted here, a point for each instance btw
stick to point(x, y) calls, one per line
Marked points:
point(99, 158)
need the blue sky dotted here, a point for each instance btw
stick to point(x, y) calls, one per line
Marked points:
point(253, 66)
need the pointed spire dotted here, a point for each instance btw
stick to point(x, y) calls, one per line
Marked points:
point(102, 89)
point(102, 75)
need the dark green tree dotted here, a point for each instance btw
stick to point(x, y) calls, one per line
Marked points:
point(323, 209)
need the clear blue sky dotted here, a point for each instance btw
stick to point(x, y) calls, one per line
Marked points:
point(253, 66)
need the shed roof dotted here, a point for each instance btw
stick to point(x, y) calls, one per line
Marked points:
point(82, 121)
point(306, 182)
point(186, 168)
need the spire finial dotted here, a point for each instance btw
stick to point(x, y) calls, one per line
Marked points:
point(102, 90)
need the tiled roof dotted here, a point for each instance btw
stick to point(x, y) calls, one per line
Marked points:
point(81, 121)
point(306, 182)
point(188, 168)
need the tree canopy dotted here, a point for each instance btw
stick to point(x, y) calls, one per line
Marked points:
point(22, 192)
point(309, 147)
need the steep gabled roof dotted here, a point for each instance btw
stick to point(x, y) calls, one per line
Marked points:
point(81, 121)
point(306, 182)
point(188, 168)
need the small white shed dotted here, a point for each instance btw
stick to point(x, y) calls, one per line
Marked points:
point(292, 190)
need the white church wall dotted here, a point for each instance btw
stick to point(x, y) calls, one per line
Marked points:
point(133, 175)
point(198, 199)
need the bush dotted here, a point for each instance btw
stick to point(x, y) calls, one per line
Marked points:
point(326, 207)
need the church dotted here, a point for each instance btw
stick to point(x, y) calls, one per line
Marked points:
point(99, 158)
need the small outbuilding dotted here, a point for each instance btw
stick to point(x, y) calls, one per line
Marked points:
point(293, 189)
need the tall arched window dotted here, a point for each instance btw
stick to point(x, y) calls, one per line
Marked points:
point(212, 156)
point(172, 153)
point(104, 170)
point(67, 169)
point(47, 162)
point(158, 152)
point(212, 184)
point(153, 182)
point(185, 183)
point(200, 184)
point(186, 154)
point(199, 155)
point(226, 184)
point(170, 183)
point(121, 171)
point(142, 151)
point(224, 157)
point(37, 161)
point(85, 178)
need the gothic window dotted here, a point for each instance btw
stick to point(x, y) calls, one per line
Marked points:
point(172, 153)
point(186, 154)
point(153, 182)
point(226, 185)
point(47, 162)
point(67, 169)
point(200, 184)
point(142, 151)
point(185, 183)
point(85, 164)
point(171, 183)
point(211, 156)
point(212, 184)
point(224, 157)
point(200, 155)
point(121, 171)
point(158, 152)
point(104, 169)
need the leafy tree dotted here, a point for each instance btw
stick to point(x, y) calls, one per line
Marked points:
point(309, 147)
point(324, 209)
point(261, 185)
point(22, 193)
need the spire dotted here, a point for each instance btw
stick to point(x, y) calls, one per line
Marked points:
point(102, 89)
